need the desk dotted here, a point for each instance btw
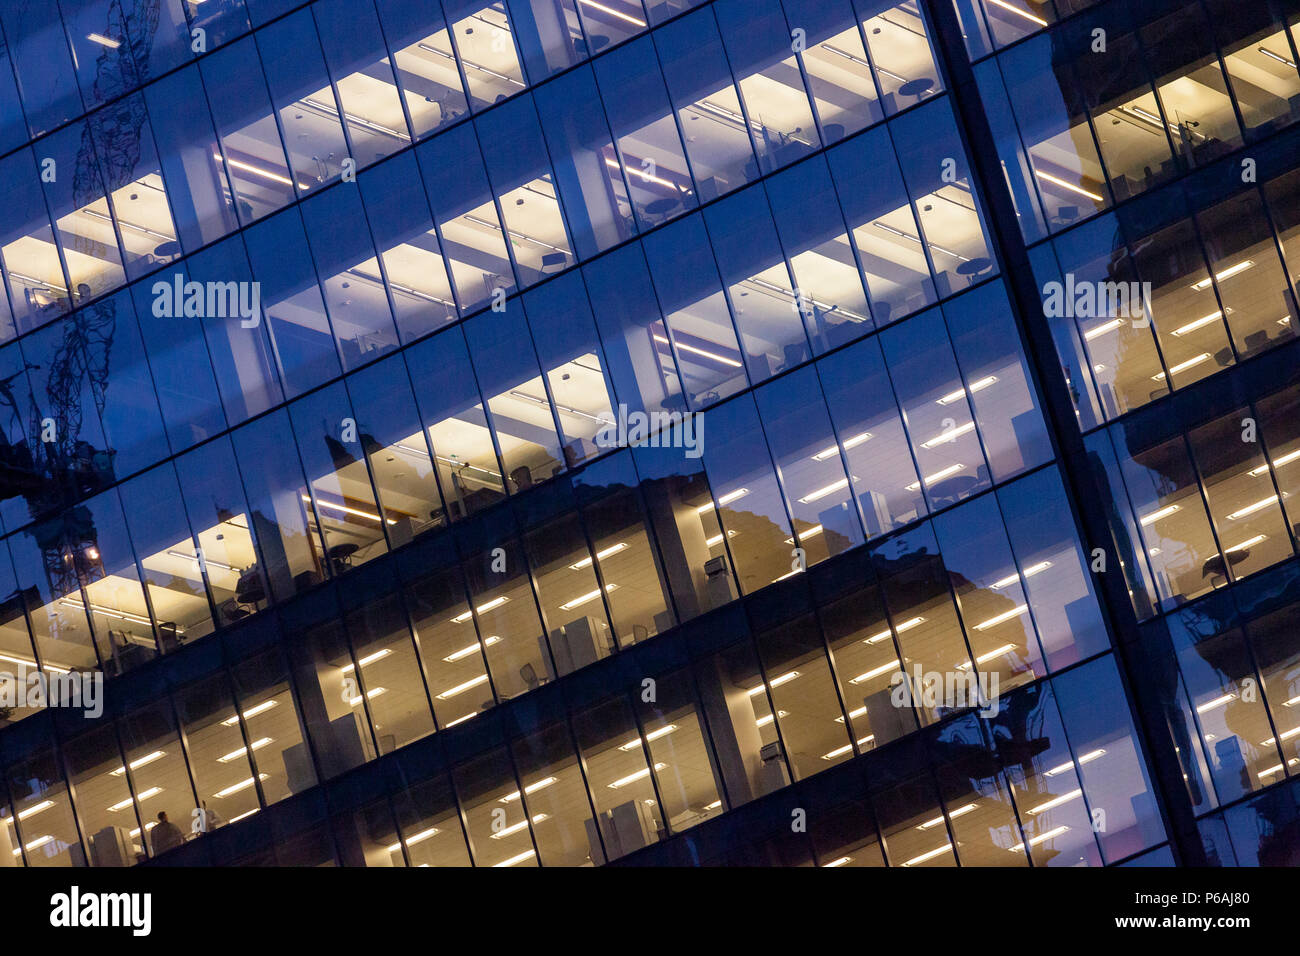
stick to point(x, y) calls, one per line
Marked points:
point(917, 88)
point(950, 489)
point(662, 207)
point(1214, 565)
point(341, 556)
point(975, 267)
point(249, 589)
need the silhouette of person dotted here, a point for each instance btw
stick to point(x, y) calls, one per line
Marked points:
point(165, 835)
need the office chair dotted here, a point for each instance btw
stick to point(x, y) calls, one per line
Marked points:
point(528, 674)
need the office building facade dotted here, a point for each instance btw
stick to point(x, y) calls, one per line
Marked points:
point(568, 433)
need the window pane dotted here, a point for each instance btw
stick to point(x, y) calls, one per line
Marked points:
point(466, 458)
point(387, 674)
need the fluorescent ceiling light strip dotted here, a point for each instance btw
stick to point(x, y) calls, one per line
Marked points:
point(600, 555)
point(1018, 12)
point(461, 688)
point(141, 762)
point(1274, 56)
point(645, 177)
point(1074, 794)
point(776, 682)
point(242, 785)
point(369, 659)
point(952, 814)
point(861, 62)
point(151, 233)
point(473, 66)
point(109, 612)
point(261, 708)
point(848, 56)
point(1249, 542)
point(1277, 463)
point(344, 509)
point(884, 635)
point(415, 838)
point(354, 120)
point(1102, 329)
point(103, 40)
point(32, 664)
point(653, 735)
point(1029, 572)
point(840, 862)
point(512, 234)
point(1041, 838)
point(531, 788)
point(1252, 508)
point(951, 434)
point(848, 443)
point(31, 811)
point(841, 751)
point(790, 294)
point(463, 465)
point(1269, 772)
point(491, 605)
point(809, 533)
point(612, 12)
point(1070, 186)
point(1285, 735)
point(1216, 702)
point(517, 858)
point(1145, 114)
point(937, 476)
point(875, 672)
point(587, 598)
point(1086, 758)
point(142, 796)
point(1199, 323)
point(470, 649)
point(681, 347)
point(903, 235)
point(516, 827)
point(1227, 273)
point(928, 856)
point(255, 170)
point(822, 492)
point(978, 386)
point(726, 499)
point(236, 754)
point(35, 844)
point(568, 410)
point(1155, 516)
point(985, 658)
point(207, 562)
point(1000, 618)
point(370, 695)
point(634, 777)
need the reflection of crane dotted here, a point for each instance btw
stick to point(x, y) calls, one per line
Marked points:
point(17, 475)
point(65, 467)
point(70, 468)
